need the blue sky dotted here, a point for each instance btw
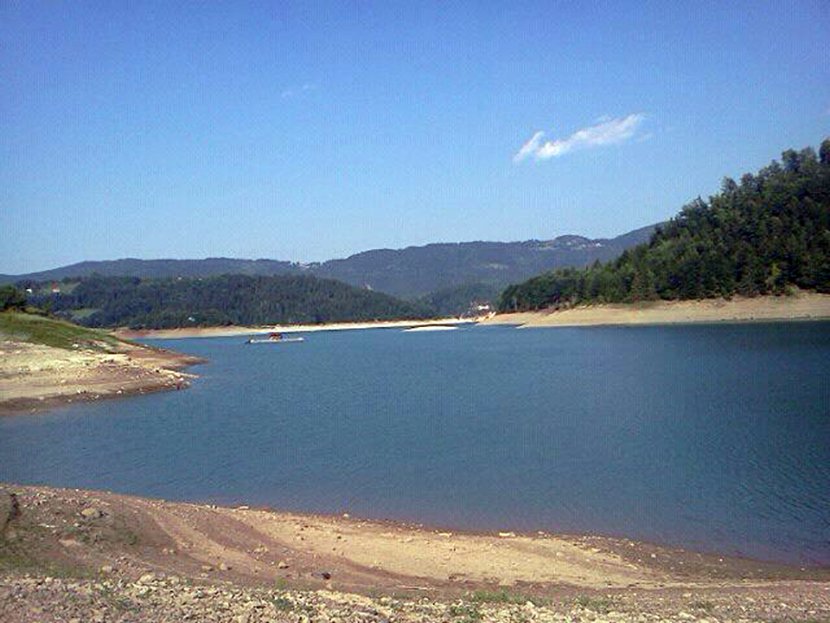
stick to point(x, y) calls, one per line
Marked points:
point(308, 131)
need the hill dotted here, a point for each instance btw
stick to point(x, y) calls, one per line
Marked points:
point(159, 269)
point(418, 271)
point(764, 235)
point(45, 361)
point(222, 300)
point(408, 273)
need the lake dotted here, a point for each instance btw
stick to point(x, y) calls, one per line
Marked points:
point(715, 438)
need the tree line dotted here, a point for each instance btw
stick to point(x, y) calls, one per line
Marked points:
point(762, 235)
point(222, 300)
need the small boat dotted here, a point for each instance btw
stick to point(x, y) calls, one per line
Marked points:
point(275, 338)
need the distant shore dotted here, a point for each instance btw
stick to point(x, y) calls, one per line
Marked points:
point(800, 306)
point(230, 331)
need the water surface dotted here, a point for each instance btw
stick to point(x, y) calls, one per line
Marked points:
point(711, 437)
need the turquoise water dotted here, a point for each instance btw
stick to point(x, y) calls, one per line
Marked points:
point(712, 437)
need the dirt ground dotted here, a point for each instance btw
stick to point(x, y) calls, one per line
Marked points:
point(89, 540)
point(800, 306)
point(231, 331)
point(35, 376)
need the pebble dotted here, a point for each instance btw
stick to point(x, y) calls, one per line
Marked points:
point(91, 513)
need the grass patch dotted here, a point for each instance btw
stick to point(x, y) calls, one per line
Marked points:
point(283, 604)
point(18, 558)
point(81, 314)
point(465, 613)
point(600, 605)
point(504, 596)
point(53, 332)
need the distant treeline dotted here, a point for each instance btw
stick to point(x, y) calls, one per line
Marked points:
point(229, 299)
point(763, 235)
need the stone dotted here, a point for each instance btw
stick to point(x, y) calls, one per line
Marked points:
point(282, 565)
point(224, 567)
point(91, 513)
point(107, 569)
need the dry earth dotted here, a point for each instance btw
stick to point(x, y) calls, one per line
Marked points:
point(35, 376)
point(800, 306)
point(231, 331)
point(95, 556)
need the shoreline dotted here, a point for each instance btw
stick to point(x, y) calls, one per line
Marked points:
point(132, 542)
point(232, 331)
point(803, 306)
point(36, 377)
point(612, 554)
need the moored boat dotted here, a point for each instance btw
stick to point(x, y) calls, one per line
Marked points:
point(275, 338)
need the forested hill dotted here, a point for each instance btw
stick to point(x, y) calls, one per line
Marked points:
point(409, 273)
point(418, 271)
point(229, 299)
point(763, 235)
point(160, 269)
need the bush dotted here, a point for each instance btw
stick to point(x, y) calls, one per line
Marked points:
point(11, 298)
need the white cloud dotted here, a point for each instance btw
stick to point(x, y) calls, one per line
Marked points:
point(605, 132)
point(529, 148)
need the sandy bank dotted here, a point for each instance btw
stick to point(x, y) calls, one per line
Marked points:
point(359, 552)
point(802, 306)
point(132, 543)
point(35, 376)
point(168, 334)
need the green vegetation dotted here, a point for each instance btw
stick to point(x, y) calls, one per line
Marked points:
point(464, 613)
point(11, 298)
point(762, 236)
point(504, 596)
point(600, 605)
point(223, 300)
point(406, 273)
point(53, 332)
point(457, 300)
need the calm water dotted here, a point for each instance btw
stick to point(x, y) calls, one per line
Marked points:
point(710, 437)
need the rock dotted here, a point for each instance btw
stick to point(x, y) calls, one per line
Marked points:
point(282, 565)
point(91, 513)
point(107, 569)
point(147, 578)
point(9, 509)
point(224, 567)
point(207, 568)
point(260, 549)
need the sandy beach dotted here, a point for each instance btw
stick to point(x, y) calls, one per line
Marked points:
point(171, 334)
point(150, 552)
point(801, 306)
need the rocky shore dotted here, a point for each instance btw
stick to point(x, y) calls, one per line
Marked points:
point(36, 376)
point(70, 555)
point(158, 597)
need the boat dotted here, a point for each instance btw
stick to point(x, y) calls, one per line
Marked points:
point(275, 338)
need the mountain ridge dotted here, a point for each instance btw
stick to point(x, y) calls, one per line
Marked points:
point(410, 272)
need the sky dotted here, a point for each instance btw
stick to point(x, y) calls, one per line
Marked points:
point(308, 131)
